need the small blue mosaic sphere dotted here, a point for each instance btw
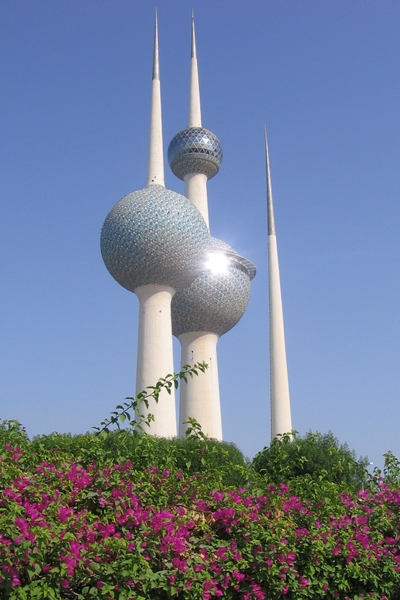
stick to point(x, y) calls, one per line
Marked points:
point(154, 236)
point(215, 301)
point(195, 150)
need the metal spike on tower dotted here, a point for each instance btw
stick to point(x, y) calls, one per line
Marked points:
point(281, 421)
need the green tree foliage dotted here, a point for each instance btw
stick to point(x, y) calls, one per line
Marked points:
point(12, 432)
point(391, 472)
point(314, 456)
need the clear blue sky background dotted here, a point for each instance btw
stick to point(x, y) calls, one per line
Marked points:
point(74, 105)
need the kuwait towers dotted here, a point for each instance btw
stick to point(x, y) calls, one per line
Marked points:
point(218, 298)
point(156, 243)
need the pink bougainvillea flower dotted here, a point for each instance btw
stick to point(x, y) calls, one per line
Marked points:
point(218, 496)
point(304, 582)
point(238, 576)
point(180, 564)
point(64, 513)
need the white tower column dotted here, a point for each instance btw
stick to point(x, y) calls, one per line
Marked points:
point(200, 397)
point(281, 420)
point(196, 192)
point(155, 354)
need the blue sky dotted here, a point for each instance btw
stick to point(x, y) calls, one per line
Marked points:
point(324, 77)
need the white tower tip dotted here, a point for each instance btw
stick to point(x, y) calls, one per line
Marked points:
point(156, 61)
point(270, 206)
point(193, 54)
point(194, 93)
point(155, 172)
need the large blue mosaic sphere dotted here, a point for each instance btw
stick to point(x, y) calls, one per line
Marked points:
point(195, 150)
point(215, 301)
point(154, 236)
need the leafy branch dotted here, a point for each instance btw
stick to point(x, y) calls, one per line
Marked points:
point(132, 410)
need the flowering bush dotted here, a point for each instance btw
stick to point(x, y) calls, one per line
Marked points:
point(126, 516)
point(69, 531)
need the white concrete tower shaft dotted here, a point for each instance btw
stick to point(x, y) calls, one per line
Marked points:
point(281, 421)
point(196, 183)
point(199, 397)
point(155, 349)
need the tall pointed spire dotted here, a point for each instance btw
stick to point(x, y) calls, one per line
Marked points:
point(155, 171)
point(194, 95)
point(281, 421)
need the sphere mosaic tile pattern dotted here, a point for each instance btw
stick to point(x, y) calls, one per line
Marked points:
point(195, 150)
point(154, 236)
point(214, 302)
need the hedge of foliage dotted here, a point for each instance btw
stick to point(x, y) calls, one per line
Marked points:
point(128, 516)
point(72, 527)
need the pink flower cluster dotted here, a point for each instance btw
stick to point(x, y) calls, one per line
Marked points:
point(119, 533)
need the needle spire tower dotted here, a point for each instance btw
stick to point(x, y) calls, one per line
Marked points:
point(281, 421)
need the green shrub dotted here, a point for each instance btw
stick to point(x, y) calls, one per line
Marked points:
point(13, 433)
point(314, 456)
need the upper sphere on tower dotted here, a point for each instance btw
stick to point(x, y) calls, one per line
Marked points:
point(195, 150)
point(154, 236)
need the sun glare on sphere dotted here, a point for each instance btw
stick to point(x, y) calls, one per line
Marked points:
point(217, 262)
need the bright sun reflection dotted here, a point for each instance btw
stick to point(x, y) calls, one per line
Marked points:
point(217, 262)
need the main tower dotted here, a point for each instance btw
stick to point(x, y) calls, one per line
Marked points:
point(218, 298)
point(153, 243)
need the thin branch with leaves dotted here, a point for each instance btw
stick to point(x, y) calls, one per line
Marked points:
point(131, 412)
